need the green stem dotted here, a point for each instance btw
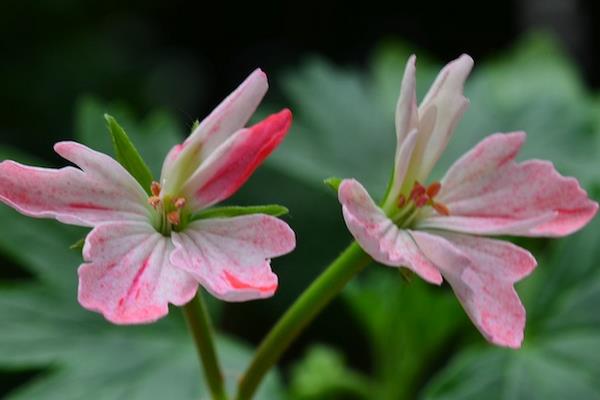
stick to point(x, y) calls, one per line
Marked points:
point(306, 307)
point(198, 321)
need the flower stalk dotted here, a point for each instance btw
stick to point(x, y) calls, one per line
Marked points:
point(199, 325)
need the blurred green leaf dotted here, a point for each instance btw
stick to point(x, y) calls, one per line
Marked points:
point(127, 154)
point(408, 325)
point(339, 129)
point(322, 374)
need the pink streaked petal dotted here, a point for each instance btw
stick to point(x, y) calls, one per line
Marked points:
point(482, 273)
point(101, 191)
point(446, 97)
point(403, 157)
point(487, 192)
point(230, 257)
point(379, 236)
point(230, 166)
point(406, 117)
point(229, 117)
point(128, 276)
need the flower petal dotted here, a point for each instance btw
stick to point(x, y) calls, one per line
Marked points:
point(482, 272)
point(445, 97)
point(230, 257)
point(128, 276)
point(229, 166)
point(379, 236)
point(229, 117)
point(403, 157)
point(487, 192)
point(101, 191)
point(406, 108)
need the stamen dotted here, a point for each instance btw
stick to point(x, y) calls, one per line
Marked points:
point(154, 201)
point(441, 209)
point(155, 188)
point(401, 201)
point(421, 201)
point(179, 203)
point(174, 217)
point(433, 189)
point(418, 190)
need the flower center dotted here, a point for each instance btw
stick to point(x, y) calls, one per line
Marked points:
point(168, 210)
point(420, 196)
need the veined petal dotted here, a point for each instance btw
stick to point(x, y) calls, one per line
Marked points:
point(230, 257)
point(101, 191)
point(445, 97)
point(230, 165)
point(487, 192)
point(379, 236)
point(128, 276)
point(406, 118)
point(229, 117)
point(482, 272)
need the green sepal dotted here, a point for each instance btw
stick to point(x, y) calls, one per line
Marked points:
point(333, 182)
point(233, 211)
point(127, 155)
point(78, 245)
point(195, 125)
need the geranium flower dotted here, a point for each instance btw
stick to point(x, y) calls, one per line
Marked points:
point(435, 230)
point(146, 251)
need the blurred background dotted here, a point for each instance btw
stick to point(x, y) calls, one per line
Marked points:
point(158, 66)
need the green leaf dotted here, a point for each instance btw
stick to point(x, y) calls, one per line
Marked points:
point(233, 211)
point(128, 155)
point(322, 374)
point(407, 325)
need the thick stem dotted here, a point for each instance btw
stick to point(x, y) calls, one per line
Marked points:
point(198, 321)
point(306, 307)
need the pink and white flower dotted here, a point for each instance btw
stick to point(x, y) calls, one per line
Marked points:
point(436, 230)
point(144, 251)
